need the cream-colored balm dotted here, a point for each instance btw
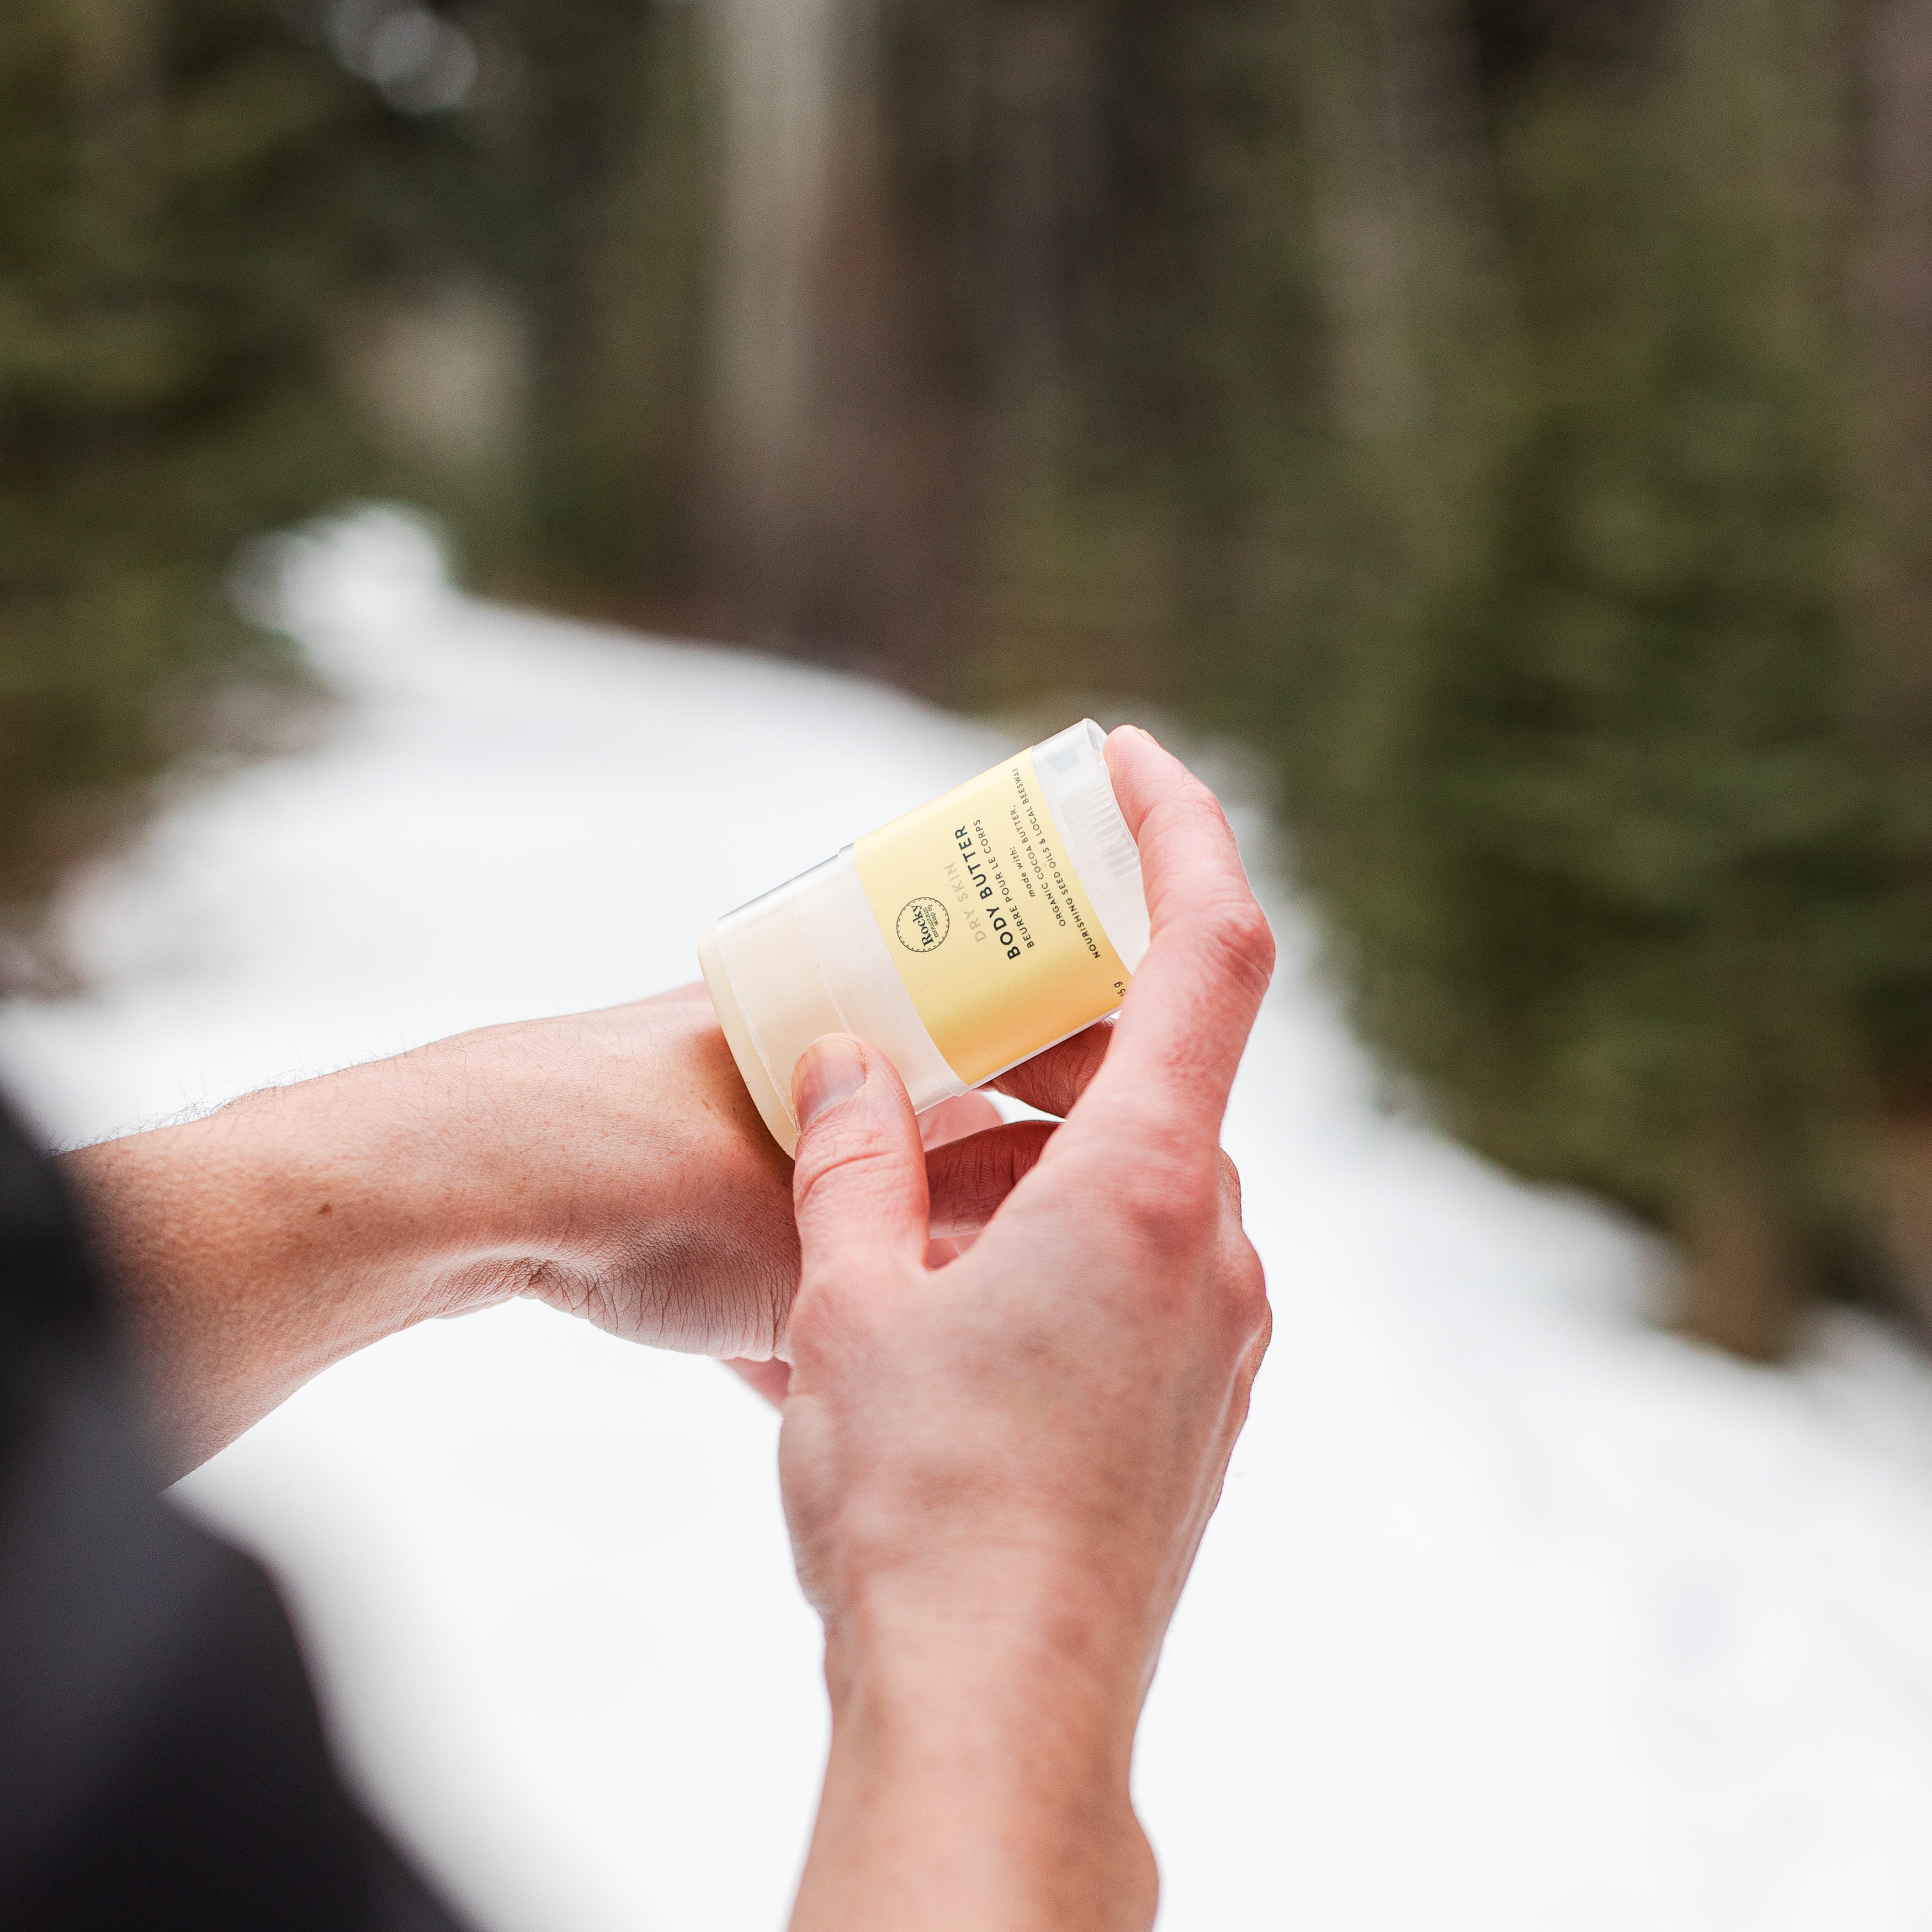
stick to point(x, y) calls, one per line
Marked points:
point(959, 941)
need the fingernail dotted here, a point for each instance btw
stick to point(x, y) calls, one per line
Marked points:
point(833, 1070)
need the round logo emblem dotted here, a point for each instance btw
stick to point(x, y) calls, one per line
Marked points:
point(922, 925)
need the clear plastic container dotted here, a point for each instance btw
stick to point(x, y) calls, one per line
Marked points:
point(959, 941)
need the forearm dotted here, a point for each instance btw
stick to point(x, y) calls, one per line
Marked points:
point(978, 1780)
point(610, 1164)
point(249, 1250)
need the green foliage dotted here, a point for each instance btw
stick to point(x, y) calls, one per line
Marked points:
point(1469, 406)
point(1614, 848)
point(179, 203)
point(209, 226)
point(593, 149)
point(1470, 411)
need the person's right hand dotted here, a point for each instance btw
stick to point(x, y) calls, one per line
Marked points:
point(997, 1472)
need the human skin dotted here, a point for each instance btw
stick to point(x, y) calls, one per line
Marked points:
point(997, 1472)
point(1013, 1360)
point(610, 1164)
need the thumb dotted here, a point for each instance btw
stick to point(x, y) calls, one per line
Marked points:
point(859, 1183)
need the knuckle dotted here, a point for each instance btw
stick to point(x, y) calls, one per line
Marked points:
point(1192, 794)
point(1230, 1176)
point(843, 1135)
point(1006, 1153)
point(1255, 1306)
point(1171, 1207)
point(1238, 931)
point(1243, 1285)
point(846, 1166)
point(1182, 811)
point(963, 1193)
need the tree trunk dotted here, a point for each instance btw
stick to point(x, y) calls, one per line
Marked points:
point(842, 487)
point(1904, 1172)
point(1893, 280)
point(780, 77)
point(1746, 1280)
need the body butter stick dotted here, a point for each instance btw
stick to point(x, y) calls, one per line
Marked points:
point(959, 941)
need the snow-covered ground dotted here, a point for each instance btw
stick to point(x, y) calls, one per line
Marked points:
point(1516, 1617)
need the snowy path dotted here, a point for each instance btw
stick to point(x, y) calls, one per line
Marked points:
point(1516, 1617)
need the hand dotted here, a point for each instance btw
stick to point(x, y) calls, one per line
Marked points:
point(967, 1190)
point(997, 1472)
point(610, 1164)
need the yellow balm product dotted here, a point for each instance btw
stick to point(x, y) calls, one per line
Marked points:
point(960, 939)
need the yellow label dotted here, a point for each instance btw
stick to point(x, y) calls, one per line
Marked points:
point(988, 922)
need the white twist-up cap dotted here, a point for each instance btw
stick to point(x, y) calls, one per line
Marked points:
point(1071, 767)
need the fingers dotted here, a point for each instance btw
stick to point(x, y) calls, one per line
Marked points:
point(969, 1178)
point(954, 1120)
point(771, 1379)
point(859, 1176)
point(1187, 1013)
point(1053, 1080)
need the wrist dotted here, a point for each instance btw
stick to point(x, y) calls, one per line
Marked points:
point(999, 1620)
point(983, 1739)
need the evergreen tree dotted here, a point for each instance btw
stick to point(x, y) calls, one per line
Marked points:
point(1466, 403)
point(589, 204)
point(1621, 871)
point(1510, 413)
point(186, 187)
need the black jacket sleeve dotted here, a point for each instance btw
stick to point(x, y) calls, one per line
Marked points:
point(162, 1761)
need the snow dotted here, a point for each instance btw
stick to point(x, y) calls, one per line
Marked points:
point(1517, 1614)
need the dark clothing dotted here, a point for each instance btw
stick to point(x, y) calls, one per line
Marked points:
point(162, 1763)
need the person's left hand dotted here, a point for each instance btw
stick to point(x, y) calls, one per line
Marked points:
point(610, 1164)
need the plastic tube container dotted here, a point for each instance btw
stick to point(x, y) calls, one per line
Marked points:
point(959, 941)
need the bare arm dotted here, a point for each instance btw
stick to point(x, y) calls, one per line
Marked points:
point(609, 1163)
point(997, 1472)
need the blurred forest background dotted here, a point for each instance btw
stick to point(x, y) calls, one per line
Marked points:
point(1512, 417)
